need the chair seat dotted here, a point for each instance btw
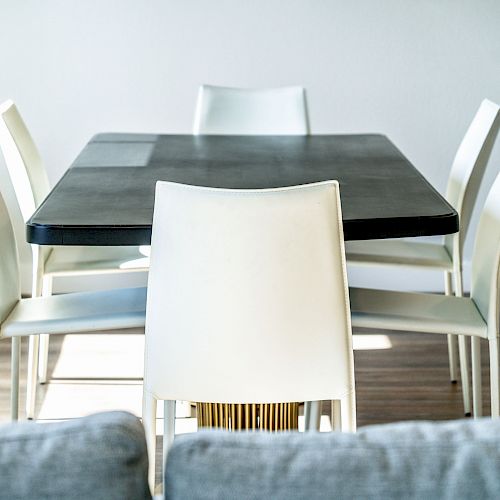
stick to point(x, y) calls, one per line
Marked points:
point(399, 252)
point(71, 260)
point(416, 312)
point(77, 312)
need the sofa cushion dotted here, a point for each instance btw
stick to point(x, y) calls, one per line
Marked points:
point(455, 460)
point(98, 457)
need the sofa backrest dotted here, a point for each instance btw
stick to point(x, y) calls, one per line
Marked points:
point(455, 460)
point(98, 457)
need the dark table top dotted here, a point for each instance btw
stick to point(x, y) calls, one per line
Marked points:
point(107, 196)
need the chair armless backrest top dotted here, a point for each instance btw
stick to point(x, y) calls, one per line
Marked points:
point(468, 169)
point(247, 295)
point(486, 260)
point(271, 111)
point(23, 161)
point(10, 291)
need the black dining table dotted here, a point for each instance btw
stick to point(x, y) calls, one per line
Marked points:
point(106, 197)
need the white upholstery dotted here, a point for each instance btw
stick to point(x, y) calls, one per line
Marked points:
point(275, 111)
point(400, 252)
point(28, 187)
point(469, 165)
point(416, 312)
point(70, 313)
point(247, 298)
point(476, 316)
point(10, 289)
point(77, 313)
point(465, 178)
point(486, 261)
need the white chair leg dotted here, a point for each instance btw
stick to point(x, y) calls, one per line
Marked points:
point(14, 378)
point(312, 415)
point(477, 391)
point(31, 381)
point(149, 405)
point(464, 373)
point(462, 349)
point(44, 339)
point(168, 428)
point(452, 357)
point(43, 358)
point(348, 413)
point(494, 382)
point(336, 415)
point(452, 339)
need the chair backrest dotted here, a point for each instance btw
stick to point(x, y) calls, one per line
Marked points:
point(486, 260)
point(273, 111)
point(10, 291)
point(23, 160)
point(247, 296)
point(24, 186)
point(468, 169)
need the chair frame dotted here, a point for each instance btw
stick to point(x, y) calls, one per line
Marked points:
point(394, 310)
point(29, 187)
point(467, 171)
point(69, 313)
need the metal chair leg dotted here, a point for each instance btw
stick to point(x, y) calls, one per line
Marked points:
point(464, 373)
point(14, 378)
point(348, 412)
point(336, 415)
point(477, 390)
point(31, 383)
point(452, 339)
point(43, 357)
point(462, 349)
point(149, 405)
point(312, 415)
point(168, 428)
point(494, 382)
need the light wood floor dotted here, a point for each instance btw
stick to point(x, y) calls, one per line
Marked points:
point(398, 377)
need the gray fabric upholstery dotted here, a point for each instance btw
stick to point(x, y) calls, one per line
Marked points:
point(452, 460)
point(98, 457)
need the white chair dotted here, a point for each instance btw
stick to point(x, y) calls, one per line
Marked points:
point(30, 186)
point(275, 111)
point(247, 301)
point(68, 313)
point(477, 316)
point(465, 178)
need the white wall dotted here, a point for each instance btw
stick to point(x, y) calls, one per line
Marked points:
point(414, 70)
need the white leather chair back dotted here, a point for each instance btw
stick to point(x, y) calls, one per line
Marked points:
point(10, 291)
point(486, 260)
point(468, 169)
point(247, 296)
point(24, 186)
point(25, 166)
point(274, 111)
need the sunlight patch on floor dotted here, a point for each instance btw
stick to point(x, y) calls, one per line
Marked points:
point(101, 356)
point(370, 342)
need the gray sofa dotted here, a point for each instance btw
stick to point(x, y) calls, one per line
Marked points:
point(104, 457)
point(98, 457)
point(453, 460)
